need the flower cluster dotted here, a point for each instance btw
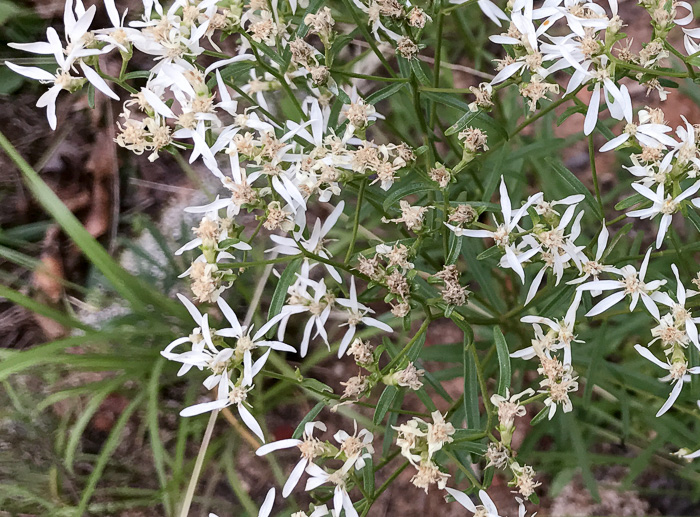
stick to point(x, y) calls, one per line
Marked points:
point(272, 100)
point(419, 441)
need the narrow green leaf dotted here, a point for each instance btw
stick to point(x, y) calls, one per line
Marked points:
point(616, 239)
point(470, 447)
point(630, 202)
point(316, 385)
point(91, 96)
point(447, 100)
point(415, 350)
point(407, 190)
point(417, 68)
point(454, 249)
point(504, 372)
point(642, 461)
point(461, 123)
point(581, 452)
point(471, 385)
point(76, 433)
point(384, 93)
point(299, 431)
point(384, 403)
point(568, 112)
point(482, 274)
point(286, 279)
point(368, 476)
point(694, 218)
point(157, 446)
point(108, 449)
point(41, 309)
point(594, 365)
point(48, 353)
point(128, 286)
point(492, 252)
point(391, 420)
point(539, 417)
point(139, 74)
point(576, 186)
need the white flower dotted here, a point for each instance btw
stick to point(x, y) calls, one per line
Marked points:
point(631, 283)
point(677, 375)
point(439, 433)
point(356, 447)
point(314, 244)
point(502, 233)
point(509, 406)
point(681, 315)
point(491, 10)
point(485, 509)
point(232, 395)
point(341, 499)
point(593, 268)
point(318, 306)
point(118, 35)
point(692, 455)
point(213, 222)
point(563, 329)
point(556, 248)
point(357, 313)
point(246, 343)
point(617, 99)
point(376, 23)
point(647, 133)
point(689, 37)
point(685, 20)
point(662, 204)
point(199, 337)
point(686, 150)
point(75, 31)
point(308, 446)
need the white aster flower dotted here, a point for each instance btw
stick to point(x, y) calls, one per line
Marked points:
point(647, 133)
point(502, 233)
point(680, 313)
point(677, 375)
point(357, 313)
point(341, 499)
point(314, 244)
point(485, 509)
point(563, 329)
point(631, 283)
point(664, 205)
point(309, 447)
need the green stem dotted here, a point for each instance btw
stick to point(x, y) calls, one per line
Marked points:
point(436, 67)
point(404, 351)
point(482, 387)
point(372, 77)
point(544, 111)
point(368, 37)
point(469, 475)
point(356, 221)
point(382, 488)
point(591, 156)
point(278, 260)
point(115, 80)
point(650, 71)
point(680, 56)
point(445, 219)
